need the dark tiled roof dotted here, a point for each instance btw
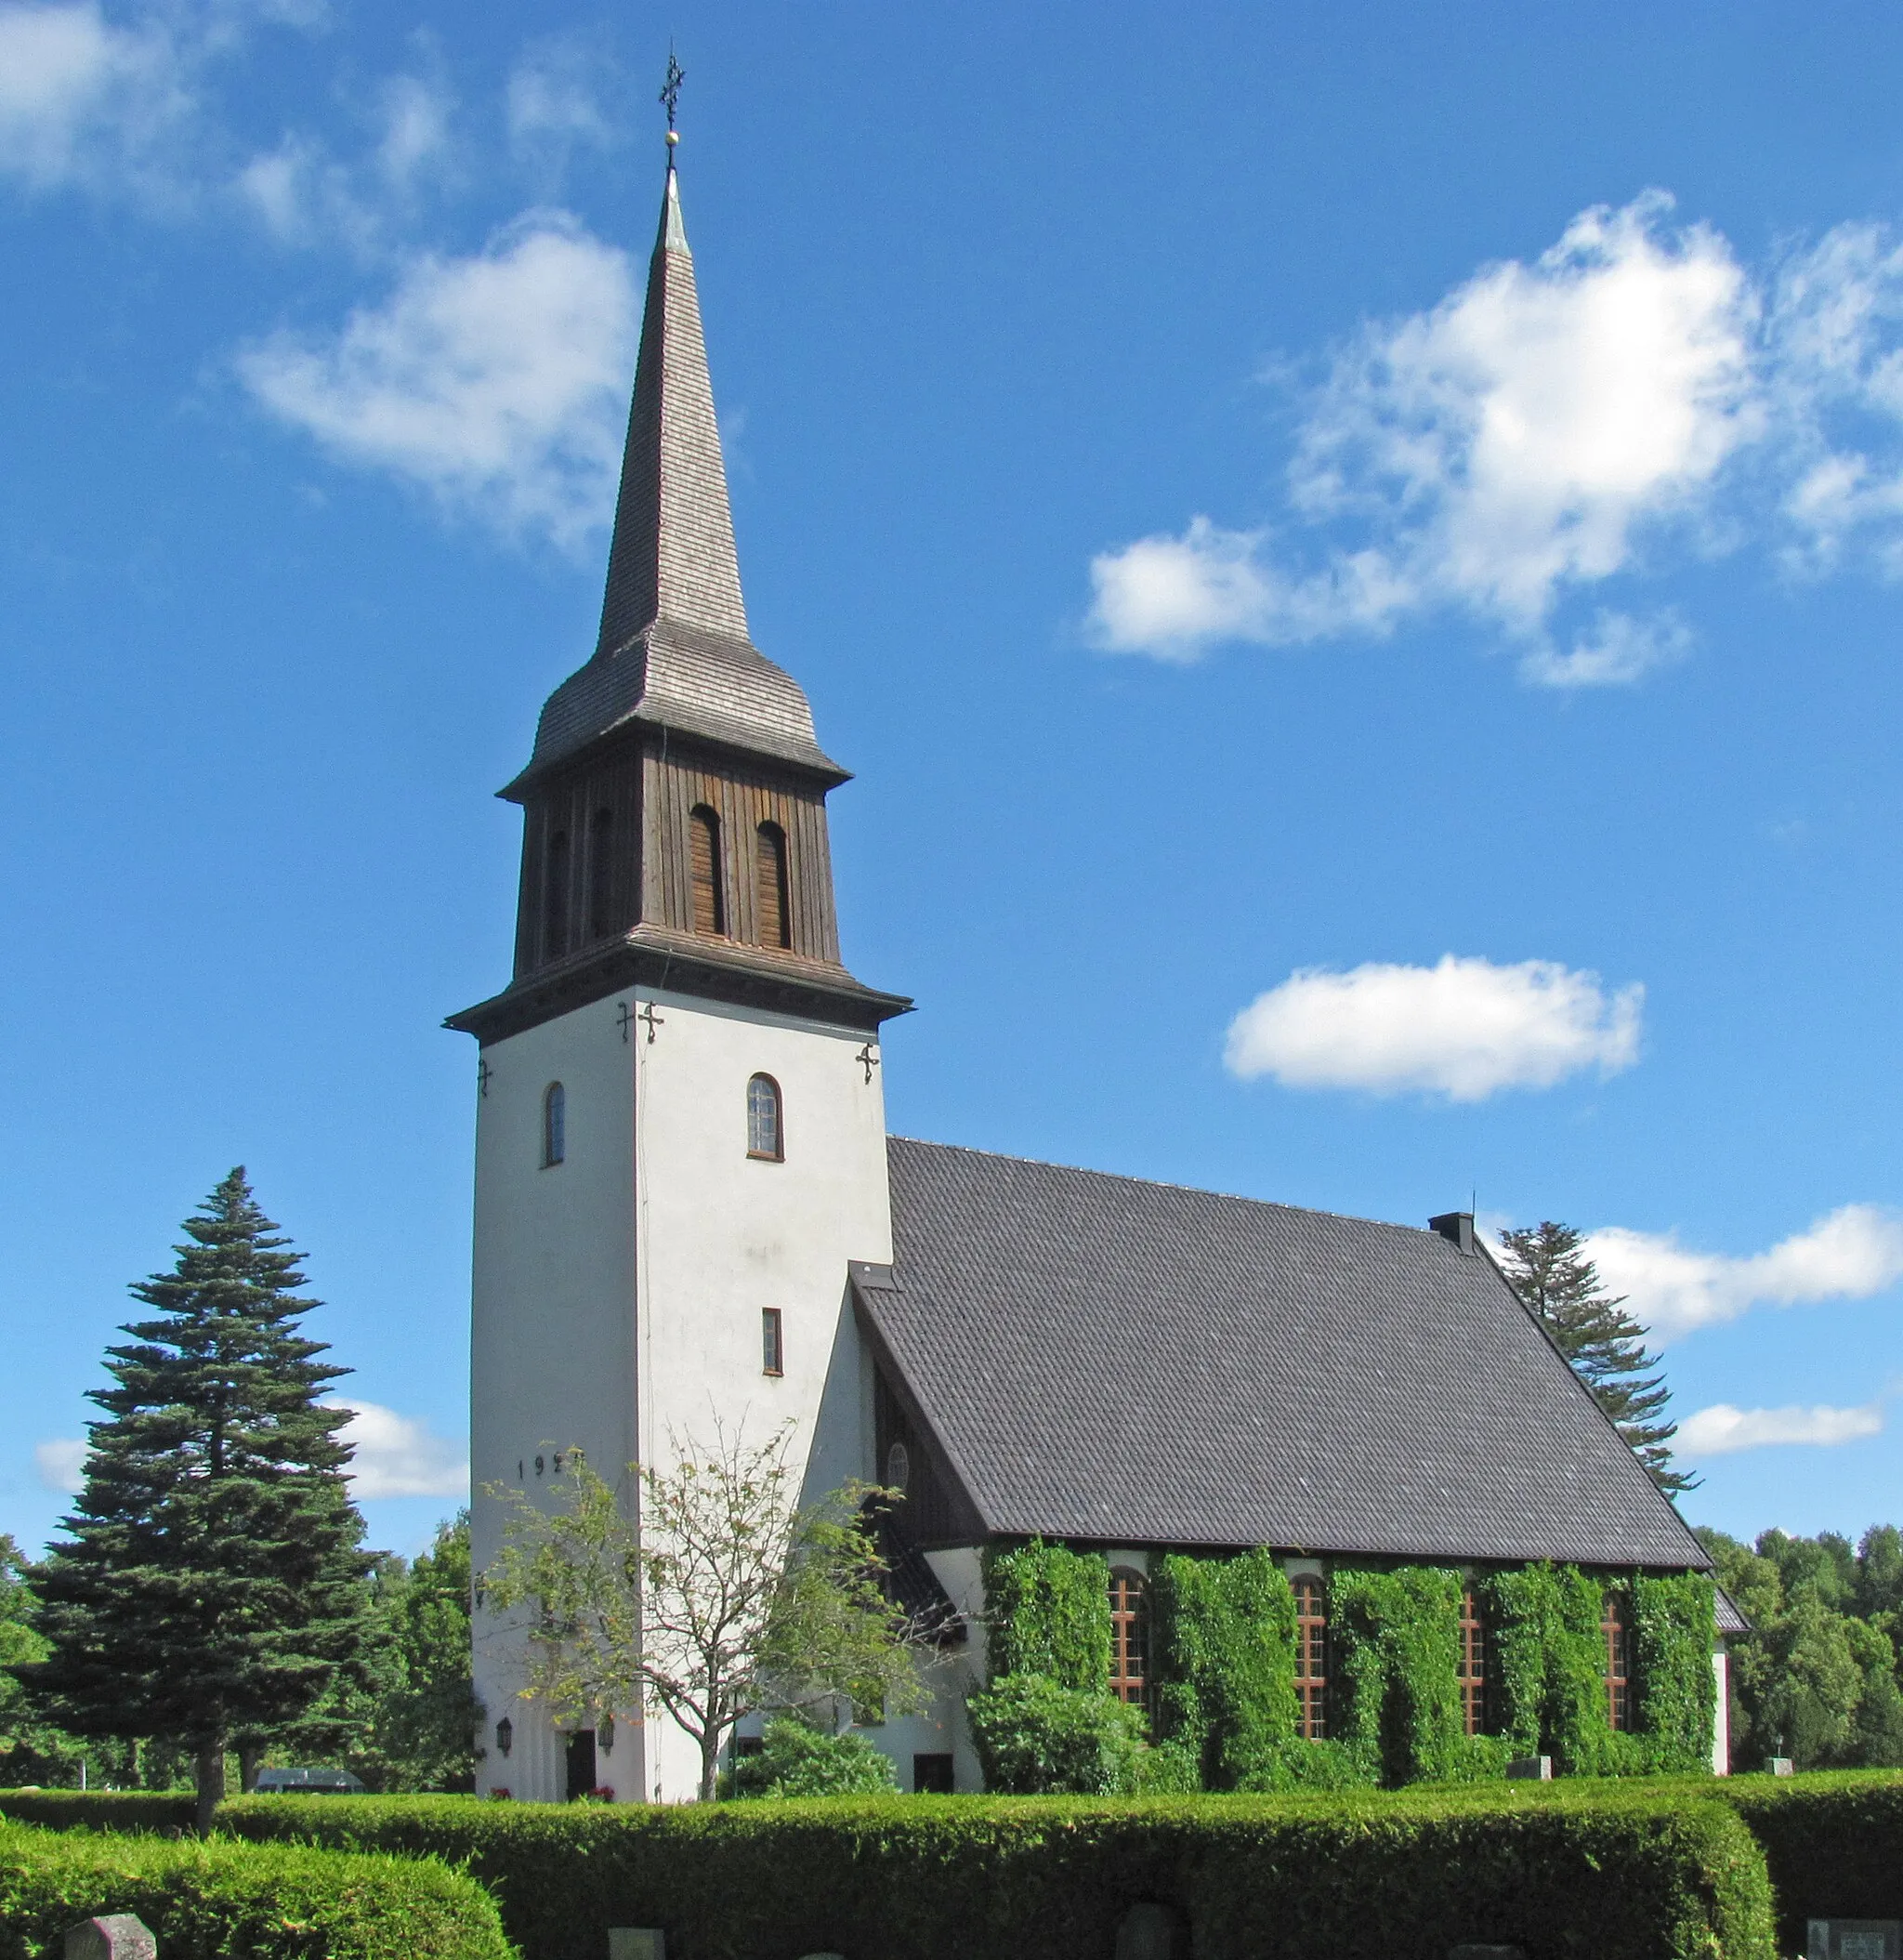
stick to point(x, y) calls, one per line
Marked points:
point(1137, 1364)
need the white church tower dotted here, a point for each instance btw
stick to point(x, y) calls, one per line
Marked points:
point(681, 1135)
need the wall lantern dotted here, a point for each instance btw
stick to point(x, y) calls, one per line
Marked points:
point(505, 1734)
point(604, 1731)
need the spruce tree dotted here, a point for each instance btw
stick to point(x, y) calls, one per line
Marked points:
point(212, 1589)
point(1604, 1344)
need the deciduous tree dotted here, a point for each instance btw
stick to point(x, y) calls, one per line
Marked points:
point(729, 1598)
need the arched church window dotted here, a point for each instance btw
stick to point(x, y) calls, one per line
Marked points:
point(555, 898)
point(703, 870)
point(765, 1135)
point(770, 880)
point(555, 1110)
point(1615, 1624)
point(1311, 1657)
point(1473, 1674)
point(601, 875)
point(1129, 1636)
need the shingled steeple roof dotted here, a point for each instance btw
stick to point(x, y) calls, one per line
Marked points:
point(672, 648)
point(672, 555)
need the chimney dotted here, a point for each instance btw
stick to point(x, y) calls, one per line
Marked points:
point(1457, 1229)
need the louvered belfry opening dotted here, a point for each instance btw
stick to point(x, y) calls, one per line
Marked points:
point(601, 918)
point(769, 879)
point(555, 898)
point(704, 872)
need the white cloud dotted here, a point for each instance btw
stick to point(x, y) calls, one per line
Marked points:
point(400, 1456)
point(416, 128)
point(1551, 427)
point(1616, 650)
point(1513, 444)
point(1852, 1254)
point(80, 97)
point(61, 1463)
point(1463, 1029)
point(552, 98)
point(497, 382)
point(1719, 1429)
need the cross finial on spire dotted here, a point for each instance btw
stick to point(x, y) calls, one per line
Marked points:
point(670, 93)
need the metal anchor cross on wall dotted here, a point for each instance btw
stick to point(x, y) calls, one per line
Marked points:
point(867, 1060)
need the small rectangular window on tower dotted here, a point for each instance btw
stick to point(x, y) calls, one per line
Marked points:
point(772, 1344)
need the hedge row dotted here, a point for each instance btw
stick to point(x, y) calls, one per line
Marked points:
point(145, 1813)
point(1362, 1876)
point(1834, 1841)
point(209, 1900)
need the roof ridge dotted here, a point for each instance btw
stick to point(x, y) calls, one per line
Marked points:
point(1168, 1184)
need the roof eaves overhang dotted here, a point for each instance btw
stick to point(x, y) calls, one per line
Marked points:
point(807, 990)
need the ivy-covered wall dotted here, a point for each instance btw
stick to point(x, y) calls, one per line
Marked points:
point(1222, 1661)
point(1397, 1642)
point(1675, 1694)
point(1048, 1611)
point(1223, 1657)
point(1549, 1666)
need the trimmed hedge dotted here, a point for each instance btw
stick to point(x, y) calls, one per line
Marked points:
point(1833, 1840)
point(1365, 1876)
point(206, 1901)
point(139, 1813)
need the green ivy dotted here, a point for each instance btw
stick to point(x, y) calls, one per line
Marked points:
point(1048, 1613)
point(1397, 1640)
point(1223, 1661)
point(1550, 1670)
point(1223, 1654)
point(1675, 1695)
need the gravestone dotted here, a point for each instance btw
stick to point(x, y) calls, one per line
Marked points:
point(1151, 1932)
point(636, 1942)
point(1780, 1766)
point(1855, 1939)
point(117, 1935)
point(1539, 1768)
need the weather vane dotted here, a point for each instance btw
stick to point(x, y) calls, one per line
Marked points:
point(670, 93)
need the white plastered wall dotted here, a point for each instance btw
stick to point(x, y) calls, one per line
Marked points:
point(618, 1297)
point(552, 1353)
point(1721, 1719)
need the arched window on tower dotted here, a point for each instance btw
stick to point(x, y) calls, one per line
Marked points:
point(770, 883)
point(555, 898)
point(601, 919)
point(703, 870)
point(555, 1115)
point(1472, 1674)
point(1615, 1624)
point(1129, 1636)
point(766, 1133)
point(1311, 1657)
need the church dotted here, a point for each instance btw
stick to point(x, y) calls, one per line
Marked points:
point(689, 1213)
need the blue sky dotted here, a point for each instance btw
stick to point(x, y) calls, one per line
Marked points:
point(1353, 552)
